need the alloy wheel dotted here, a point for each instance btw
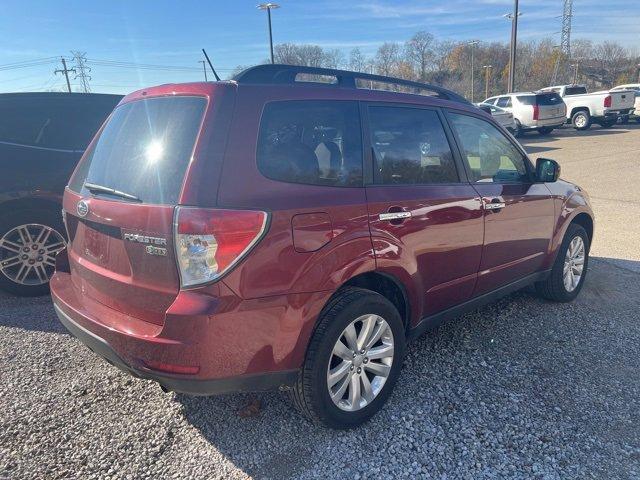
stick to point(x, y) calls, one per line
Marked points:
point(360, 362)
point(27, 253)
point(573, 264)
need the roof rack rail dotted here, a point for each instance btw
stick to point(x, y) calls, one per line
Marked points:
point(286, 74)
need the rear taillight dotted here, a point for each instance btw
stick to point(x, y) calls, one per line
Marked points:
point(209, 242)
point(536, 111)
point(607, 101)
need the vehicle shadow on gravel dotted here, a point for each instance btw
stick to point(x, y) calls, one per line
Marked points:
point(517, 388)
point(29, 313)
point(567, 132)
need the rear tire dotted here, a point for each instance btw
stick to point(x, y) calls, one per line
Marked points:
point(556, 287)
point(545, 130)
point(518, 132)
point(581, 120)
point(31, 281)
point(323, 403)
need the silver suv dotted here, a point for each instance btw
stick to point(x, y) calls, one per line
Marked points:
point(533, 111)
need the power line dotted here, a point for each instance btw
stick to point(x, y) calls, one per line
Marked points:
point(27, 64)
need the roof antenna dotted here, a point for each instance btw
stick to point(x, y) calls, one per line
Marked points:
point(211, 65)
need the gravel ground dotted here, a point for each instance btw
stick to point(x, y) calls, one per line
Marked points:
point(520, 389)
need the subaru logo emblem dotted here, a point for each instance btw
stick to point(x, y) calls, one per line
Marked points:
point(82, 208)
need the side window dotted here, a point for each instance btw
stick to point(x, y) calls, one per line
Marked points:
point(490, 101)
point(410, 147)
point(490, 155)
point(504, 102)
point(312, 142)
point(64, 123)
point(23, 122)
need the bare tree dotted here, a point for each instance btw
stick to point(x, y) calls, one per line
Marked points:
point(387, 58)
point(420, 53)
point(357, 61)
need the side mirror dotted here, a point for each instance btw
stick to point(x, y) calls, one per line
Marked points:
point(547, 170)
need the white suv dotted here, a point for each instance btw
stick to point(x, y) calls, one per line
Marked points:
point(533, 111)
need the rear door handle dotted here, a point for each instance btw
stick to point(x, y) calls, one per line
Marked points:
point(394, 215)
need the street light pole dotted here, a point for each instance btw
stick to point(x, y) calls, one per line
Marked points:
point(473, 43)
point(268, 7)
point(204, 69)
point(487, 69)
point(514, 39)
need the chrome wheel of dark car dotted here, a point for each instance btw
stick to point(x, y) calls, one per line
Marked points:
point(27, 253)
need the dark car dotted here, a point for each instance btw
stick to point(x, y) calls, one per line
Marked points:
point(269, 232)
point(42, 137)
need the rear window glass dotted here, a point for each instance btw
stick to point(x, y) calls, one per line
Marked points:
point(144, 149)
point(311, 142)
point(527, 99)
point(548, 99)
point(575, 90)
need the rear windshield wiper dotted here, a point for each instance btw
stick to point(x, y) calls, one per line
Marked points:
point(95, 188)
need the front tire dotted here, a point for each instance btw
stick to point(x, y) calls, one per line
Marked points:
point(581, 120)
point(353, 360)
point(29, 241)
point(570, 268)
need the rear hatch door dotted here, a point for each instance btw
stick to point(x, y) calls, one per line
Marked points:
point(550, 105)
point(119, 205)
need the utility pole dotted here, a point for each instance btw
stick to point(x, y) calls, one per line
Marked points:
point(83, 71)
point(487, 73)
point(514, 40)
point(66, 71)
point(204, 69)
point(472, 43)
point(575, 66)
point(268, 7)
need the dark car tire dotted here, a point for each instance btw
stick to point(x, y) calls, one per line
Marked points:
point(518, 132)
point(310, 394)
point(553, 288)
point(545, 130)
point(581, 120)
point(8, 222)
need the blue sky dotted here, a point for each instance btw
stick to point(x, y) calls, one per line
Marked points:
point(234, 32)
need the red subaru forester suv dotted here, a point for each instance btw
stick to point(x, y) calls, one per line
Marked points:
point(294, 227)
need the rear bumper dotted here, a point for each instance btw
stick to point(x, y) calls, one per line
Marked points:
point(554, 122)
point(244, 383)
point(226, 343)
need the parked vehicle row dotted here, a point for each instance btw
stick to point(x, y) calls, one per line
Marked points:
point(268, 232)
point(42, 137)
point(551, 107)
point(543, 112)
point(635, 114)
point(603, 107)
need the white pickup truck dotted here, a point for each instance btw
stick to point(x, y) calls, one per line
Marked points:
point(584, 108)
